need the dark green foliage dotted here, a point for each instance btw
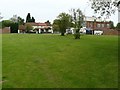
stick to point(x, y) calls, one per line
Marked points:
point(20, 21)
point(118, 26)
point(112, 25)
point(63, 27)
point(14, 28)
point(56, 25)
point(29, 19)
point(64, 22)
point(0, 25)
point(77, 34)
point(6, 23)
point(33, 19)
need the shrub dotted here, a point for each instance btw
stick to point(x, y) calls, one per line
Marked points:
point(77, 35)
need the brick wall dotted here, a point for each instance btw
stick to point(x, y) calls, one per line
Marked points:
point(111, 32)
point(94, 25)
point(5, 30)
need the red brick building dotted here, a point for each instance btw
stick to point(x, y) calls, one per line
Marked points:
point(97, 23)
point(5, 30)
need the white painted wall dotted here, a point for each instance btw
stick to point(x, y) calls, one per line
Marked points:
point(18, 31)
point(39, 30)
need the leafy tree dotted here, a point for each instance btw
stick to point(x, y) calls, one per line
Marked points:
point(56, 25)
point(118, 26)
point(6, 23)
point(14, 18)
point(14, 27)
point(0, 25)
point(64, 22)
point(28, 27)
point(77, 19)
point(20, 21)
point(104, 7)
point(112, 25)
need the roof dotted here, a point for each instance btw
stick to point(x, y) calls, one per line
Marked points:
point(41, 24)
point(38, 24)
point(92, 19)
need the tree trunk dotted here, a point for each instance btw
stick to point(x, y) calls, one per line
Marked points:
point(62, 34)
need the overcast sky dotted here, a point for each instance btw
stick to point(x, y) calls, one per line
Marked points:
point(43, 10)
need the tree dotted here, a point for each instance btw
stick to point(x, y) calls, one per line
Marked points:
point(14, 27)
point(64, 22)
point(20, 21)
point(14, 18)
point(28, 27)
point(0, 25)
point(118, 26)
point(28, 18)
point(112, 25)
point(0, 21)
point(56, 25)
point(6, 23)
point(77, 19)
point(33, 19)
point(104, 7)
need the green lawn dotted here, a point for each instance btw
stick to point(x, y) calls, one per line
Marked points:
point(0, 60)
point(53, 61)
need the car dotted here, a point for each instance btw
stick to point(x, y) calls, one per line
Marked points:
point(98, 32)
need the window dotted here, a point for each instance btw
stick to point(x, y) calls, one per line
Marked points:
point(103, 25)
point(98, 25)
point(91, 24)
point(108, 25)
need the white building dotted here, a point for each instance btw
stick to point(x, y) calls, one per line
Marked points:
point(41, 27)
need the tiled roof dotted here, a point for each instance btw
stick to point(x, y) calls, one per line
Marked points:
point(38, 24)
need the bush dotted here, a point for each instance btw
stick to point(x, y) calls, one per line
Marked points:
point(77, 36)
point(118, 26)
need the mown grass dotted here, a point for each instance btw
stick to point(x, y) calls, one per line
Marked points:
point(0, 60)
point(53, 61)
